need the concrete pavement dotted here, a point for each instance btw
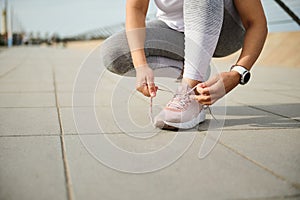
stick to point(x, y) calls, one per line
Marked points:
point(41, 156)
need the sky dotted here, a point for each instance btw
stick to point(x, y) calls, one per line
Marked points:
point(72, 17)
point(67, 17)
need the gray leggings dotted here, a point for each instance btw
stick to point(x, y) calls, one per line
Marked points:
point(212, 29)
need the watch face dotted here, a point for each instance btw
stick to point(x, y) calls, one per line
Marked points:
point(246, 78)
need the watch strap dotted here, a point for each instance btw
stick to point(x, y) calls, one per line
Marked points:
point(244, 73)
point(240, 69)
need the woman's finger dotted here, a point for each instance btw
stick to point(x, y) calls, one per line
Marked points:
point(144, 90)
point(203, 91)
point(203, 88)
point(202, 99)
point(211, 81)
point(152, 89)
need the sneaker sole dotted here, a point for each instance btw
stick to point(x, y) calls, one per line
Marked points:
point(186, 125)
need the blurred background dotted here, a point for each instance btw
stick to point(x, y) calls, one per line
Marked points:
point(43, 22)
point(37, 22)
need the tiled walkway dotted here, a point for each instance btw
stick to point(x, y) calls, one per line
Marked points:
point(41, 156)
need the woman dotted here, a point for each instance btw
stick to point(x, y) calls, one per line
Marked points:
point(189, 31)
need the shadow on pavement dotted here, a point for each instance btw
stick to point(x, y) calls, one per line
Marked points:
point(279, 116)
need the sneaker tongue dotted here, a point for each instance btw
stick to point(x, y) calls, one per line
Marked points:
point(183, 89)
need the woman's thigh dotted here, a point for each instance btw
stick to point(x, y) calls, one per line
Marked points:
point(160, 41)
point(232, 33)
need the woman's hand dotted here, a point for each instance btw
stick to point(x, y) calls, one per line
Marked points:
point(216, 87)
point(145, 81)
point(256, 31)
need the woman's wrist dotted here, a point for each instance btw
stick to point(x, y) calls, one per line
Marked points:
point(235, 77)
point(139, 58)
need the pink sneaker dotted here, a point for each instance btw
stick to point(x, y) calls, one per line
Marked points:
point(181, 112)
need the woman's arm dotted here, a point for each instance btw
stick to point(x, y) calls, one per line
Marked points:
point(136, 11)
point(254, 21)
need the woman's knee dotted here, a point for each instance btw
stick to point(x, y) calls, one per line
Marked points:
point(115, 54)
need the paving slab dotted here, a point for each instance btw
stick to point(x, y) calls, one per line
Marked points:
point(246, 118)
point(66, 74)
point(133, 120)
point(69, 124)
point(279, 97)
point(292, 93)
point(104, 97)
point(28, 121)
point(31, 168)
point(277, 150)
point(27, 100)
point(9, 62)
point(30, 73)
point(16, 87)
point(260, 97)
point(108, 120)
point(222, 175)
point(269, 100)
point(290, 110)
point(280, 76)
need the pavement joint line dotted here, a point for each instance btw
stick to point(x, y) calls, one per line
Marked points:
point(26, 81)
point(170, 132)
point(288, 95)
point(121, 133)
point(13, 68)
point(69, 188)
point(280, 115)
point(281, 92)
point(10, 70)
point(30, 135)
point(26, 92)
point(34, 92)
point(10, 107)
point(61, 107)
point(267, 111)
point(295, 185)
point(271, 198)
point(261, 129)
point(165, 132)
point(288, 84)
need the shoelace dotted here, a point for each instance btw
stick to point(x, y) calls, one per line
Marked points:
point(187, 93)
point(179, 101)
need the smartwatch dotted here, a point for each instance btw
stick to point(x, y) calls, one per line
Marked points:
point(245, 74)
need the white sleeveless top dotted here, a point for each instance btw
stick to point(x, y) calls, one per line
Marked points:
point(171, 12)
